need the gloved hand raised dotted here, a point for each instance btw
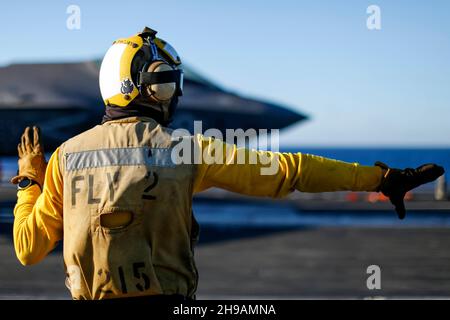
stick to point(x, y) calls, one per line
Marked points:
point(31, 162)
point(396, 182)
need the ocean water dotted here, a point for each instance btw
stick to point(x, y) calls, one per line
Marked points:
point(233, 214)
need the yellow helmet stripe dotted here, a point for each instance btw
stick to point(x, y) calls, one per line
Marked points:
point(133, 44)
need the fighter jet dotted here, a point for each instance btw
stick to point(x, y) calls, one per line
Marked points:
point(64, 100)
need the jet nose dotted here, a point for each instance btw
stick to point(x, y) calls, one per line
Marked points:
point(278, 117)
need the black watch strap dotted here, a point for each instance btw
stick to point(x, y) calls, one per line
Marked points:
point(25, 184)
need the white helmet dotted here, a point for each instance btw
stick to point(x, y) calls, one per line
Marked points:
point(141, 66)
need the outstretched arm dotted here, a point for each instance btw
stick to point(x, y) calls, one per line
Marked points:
point(290, 171)
point(303, 172)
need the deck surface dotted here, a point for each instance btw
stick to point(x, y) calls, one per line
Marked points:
point(280, 264)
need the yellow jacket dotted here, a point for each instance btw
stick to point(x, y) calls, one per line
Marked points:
point(38, 223)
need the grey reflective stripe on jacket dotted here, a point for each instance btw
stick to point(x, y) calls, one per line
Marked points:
point(160, 157)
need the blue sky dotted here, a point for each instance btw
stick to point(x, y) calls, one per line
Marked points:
point(388, 87)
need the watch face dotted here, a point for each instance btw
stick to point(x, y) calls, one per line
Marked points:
point(24, 183)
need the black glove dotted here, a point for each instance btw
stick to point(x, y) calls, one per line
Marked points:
point(396, 182)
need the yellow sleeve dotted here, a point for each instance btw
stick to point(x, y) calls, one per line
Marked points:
point(38, 217)
point(291, 171)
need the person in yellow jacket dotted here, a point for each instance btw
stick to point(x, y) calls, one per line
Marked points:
point(120, 194)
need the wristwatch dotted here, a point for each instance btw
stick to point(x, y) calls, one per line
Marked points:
point(25, 183)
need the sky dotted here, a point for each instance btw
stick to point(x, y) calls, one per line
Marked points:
point(360, 87)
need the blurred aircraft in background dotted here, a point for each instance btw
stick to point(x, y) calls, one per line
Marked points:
point(64, 100)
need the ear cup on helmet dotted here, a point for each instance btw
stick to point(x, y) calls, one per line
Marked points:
point(161, 92)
